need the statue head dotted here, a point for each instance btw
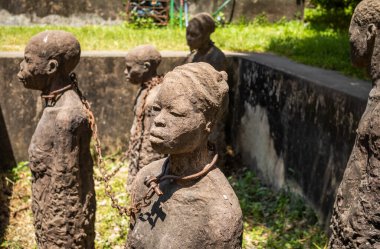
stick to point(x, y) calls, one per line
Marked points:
point(187, 106)
point(48, 55)
point(364, 39)
point(199, 30)
point(141, 64)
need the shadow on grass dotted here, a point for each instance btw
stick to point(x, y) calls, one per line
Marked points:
point(5, 195)
point(7, 160)
point(275, 219)
point(322, 48)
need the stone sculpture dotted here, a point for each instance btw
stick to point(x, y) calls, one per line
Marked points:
point(194, 211)
point(63, 196)
point(201, 46)
point(355, 220)
point(141, 69)
point(203, 50)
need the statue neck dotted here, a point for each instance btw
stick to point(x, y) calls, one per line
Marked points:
point(375, 64)
point(55, 83)
point(189, 163)
point(206, 47)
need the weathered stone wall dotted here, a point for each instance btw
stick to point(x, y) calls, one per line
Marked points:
point(106, 9)
point(296, 124)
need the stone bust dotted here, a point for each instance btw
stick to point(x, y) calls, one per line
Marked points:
point(141, 69)
point(355, 219)
point(201, 46)
point(63, 196)
point(201, 213)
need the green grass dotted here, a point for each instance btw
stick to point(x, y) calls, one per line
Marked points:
point(271, 219)
point(321, 47)
point(275, 220)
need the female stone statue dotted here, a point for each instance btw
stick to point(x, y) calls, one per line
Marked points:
point(201, 46)
point(197, 207)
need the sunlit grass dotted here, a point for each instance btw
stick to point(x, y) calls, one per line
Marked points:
point(326, 48)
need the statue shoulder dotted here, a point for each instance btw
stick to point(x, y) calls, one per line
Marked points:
point(71, 118)
point(152, 169)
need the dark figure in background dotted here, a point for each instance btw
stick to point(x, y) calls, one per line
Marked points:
point(355, 221)
point(63, 196)
point(202, 48)
point(141, 69)
point(201, 212)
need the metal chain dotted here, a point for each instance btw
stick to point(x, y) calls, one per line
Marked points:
point(135, 141)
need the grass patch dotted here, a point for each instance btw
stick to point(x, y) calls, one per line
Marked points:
point(321, 47)
point(275, 219)
point(271, 219)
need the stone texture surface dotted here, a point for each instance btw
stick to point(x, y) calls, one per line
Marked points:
point(141, 69)
point(197, 213)
point(355, 220)
point(105, 9)
point(295, 125)
point(63, 194)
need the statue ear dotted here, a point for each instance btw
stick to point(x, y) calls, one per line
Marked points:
point(52, 66)
point(208, 127)
point(147, 65)
point(371, 31)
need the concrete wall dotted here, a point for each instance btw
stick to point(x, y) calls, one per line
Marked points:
point(296, 124)
point(106, 9)
point(293, 124)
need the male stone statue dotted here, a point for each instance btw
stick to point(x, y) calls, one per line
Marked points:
point(141, 69)
point(355, 221)
point(63, 196)
point(202, 48)
point(198, 207)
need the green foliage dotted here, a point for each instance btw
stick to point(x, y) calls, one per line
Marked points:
point(336, 4)
point(137, 22)
point(275, 219)
point(331, 13)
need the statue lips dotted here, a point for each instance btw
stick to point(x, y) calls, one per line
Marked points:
point(155, 137)
point(21, 79)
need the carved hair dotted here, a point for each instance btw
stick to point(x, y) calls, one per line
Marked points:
point(205, 21)
point(206, 87)
point(367, 12)
point(59, 45)
point(145, 53)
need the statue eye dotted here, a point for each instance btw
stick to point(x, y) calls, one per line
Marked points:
point(177, 114)
point(156, 108)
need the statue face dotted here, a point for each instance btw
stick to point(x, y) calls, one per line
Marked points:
point(135, 72)
point(179, 126)
point(33, 70)
point(360, 51)
point(195, 37)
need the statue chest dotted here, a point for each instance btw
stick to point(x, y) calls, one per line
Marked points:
point(42, 143)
